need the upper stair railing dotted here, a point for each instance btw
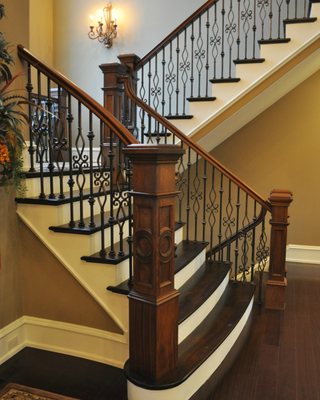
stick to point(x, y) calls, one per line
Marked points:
point(205, 48)
point(75, 151)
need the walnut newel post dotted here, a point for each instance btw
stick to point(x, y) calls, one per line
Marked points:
point(153, 302)
point(277, 282)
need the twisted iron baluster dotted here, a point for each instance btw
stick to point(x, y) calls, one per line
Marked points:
point(215, 41)
point(71, 181)
point(91, 200)
point(184, 68)
point(170, 79)
point(212, 209)
point(80, 162)
point(199, 55)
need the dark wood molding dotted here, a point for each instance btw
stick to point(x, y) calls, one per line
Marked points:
point(153, 302)
point(276, 283)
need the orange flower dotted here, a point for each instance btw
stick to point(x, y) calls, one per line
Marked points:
point(4, 154)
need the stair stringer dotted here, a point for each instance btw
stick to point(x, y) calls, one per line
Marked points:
point(260, 85)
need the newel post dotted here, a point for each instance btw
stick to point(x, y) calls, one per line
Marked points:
point(153, 302)
point(277, 282)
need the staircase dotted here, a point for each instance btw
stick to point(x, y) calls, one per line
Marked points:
point(189, 249)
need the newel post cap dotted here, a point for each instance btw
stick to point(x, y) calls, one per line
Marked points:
point(280, 197)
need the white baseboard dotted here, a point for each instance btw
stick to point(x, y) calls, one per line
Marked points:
point(303, 254)
point(60, 337)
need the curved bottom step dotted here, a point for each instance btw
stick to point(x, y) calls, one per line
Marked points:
point(201, 354)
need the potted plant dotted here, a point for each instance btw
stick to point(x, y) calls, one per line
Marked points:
point(11, 120)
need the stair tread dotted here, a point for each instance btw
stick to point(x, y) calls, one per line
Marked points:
point(206, 338)
point(110, 256)
point(200, 287)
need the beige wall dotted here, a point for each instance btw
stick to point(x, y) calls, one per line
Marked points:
point(280, 149)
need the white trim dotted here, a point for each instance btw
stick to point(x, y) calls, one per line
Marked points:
point(200, 376)
point(61, 337)
point(303, 254)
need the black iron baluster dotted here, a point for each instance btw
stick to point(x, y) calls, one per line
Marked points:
point(156, 89)
point(253, 241)
point(229, 220)
point(59, 144)
point(91, 200)
point(221, 190)
point(177, 80)
point(40, 131)
point(254, 30)
point(80, 163)
point(279, 4)
point(196, 197)
point(184, 68)
point(223, 13)
point(130, 228)
point(236, 250)
point(270, 20)
point(212, 209)
point(31, 149)
point(207, 66)
point(142, 93)
point(238, 41)
point(180, 184)
point(50, 122)
point(296, 9)
point(163, 62)
point(188, 194)
point(215, 41)
point(204, 221)
point(192, 38)
point(170, 79)
point(263, 252)
point(245, 238)
point(199, 55)
point(262, 4)
point(231, 28)
point(246, 16)
point(113, 169)
point(71, 181)
point(288, 8)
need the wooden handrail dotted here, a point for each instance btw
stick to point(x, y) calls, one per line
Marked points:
point(176, 32)
point(105, 116)
point(194, 146)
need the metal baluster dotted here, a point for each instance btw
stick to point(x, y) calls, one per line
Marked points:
point(163, 101)
point(296, 9)
point(192, 38)
point(223, 12)
point(262, 257)
point(221, 190)
point(184, 68)
point(279, 4)
point(270, 20)
point(170, 79)
point(156, 89)
point(180, 184)
point(112, 169)
point(238, 38)
point(262, 15)
point(229, 220)
point(215, 41)
point(231, 28)
point(49, 104)
point(177, 80)
point(142, 93)
point(91, 200)
point(204, 221)
point(71, 181)
point(254, 29)
point(41, 131)
point(212, 209)
point(207, 66)
point(199, 55)
point(246, 16)
point(130, 228)
point(31, 150)
point(149, 83)
point(188, 194)
point(253, 241)
point(288, 8)
point(236, 251)
point(60, 144)
point(245, 247)
point(196, 197)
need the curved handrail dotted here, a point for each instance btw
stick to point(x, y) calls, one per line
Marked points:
point(175, 33)
point(104, 115)
point(198, 149)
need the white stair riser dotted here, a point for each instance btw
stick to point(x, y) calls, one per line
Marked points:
point(184, 274)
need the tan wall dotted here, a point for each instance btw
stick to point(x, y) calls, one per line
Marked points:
point(32, 281)
point(280, 149)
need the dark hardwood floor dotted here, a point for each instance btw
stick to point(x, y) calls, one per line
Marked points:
point(280, 360)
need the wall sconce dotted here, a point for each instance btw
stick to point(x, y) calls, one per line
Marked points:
point(106, 29)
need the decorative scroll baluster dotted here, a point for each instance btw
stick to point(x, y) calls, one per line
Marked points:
point(39, 129)
point(262, 256)
point(170, 79)
point(212, 209)
point(231, 28)
point(204, 202)
point(113, 188)
point(245, 246)
point(156, 89)
point(238, 41)
point(215, 41)
point(223, 13)
point(163, 62)
point(181, 183)
point(91, 200)
point(60, 143)
point(229, 220)
point(279, 4)
point(71, 181)
point(188, 208)
point(196, 197)
point(270, 20)
point(80, 163)
point(254, 30)
point(262, 4)
point(221, 191)
point(253, 242)
point(184, 68)
point(50, 122)
point(199, 55)
point(130, 214)
point(207, 66)
point(246, 16)
point(236, 250)
point(31, 149)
